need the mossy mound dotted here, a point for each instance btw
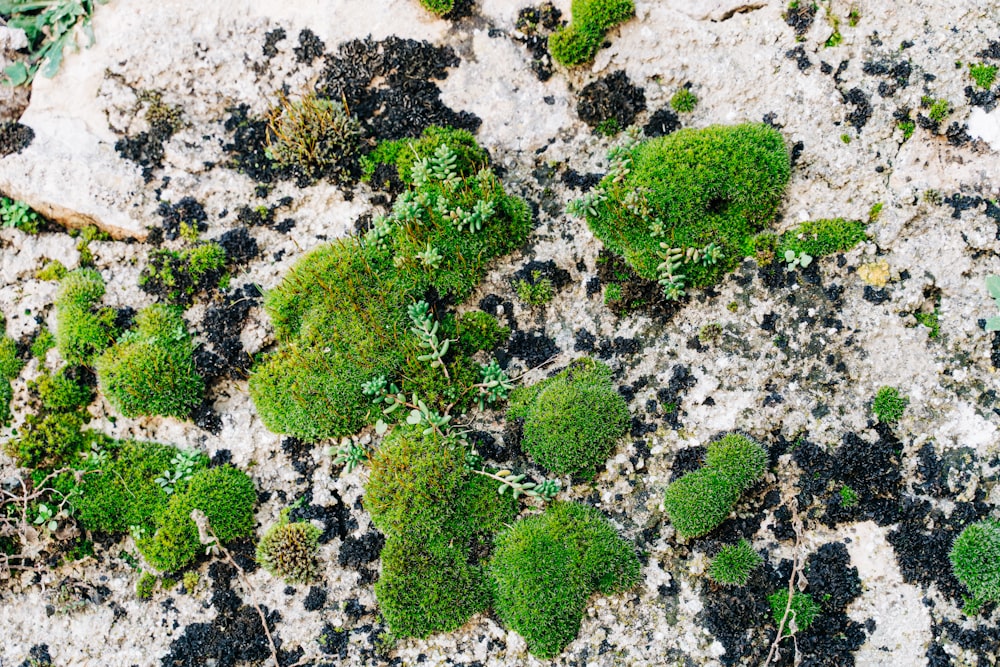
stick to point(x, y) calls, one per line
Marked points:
point(572, 420)
point(433, 512)
point(580, 40)
point(340, 313)
point(546, 567)
point(975, 561)
point(288, 550)
point(83, 329)
point(687, 206)
point(150, 371)
point(700, 501)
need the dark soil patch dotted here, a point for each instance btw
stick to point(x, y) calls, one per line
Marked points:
point(188, 210)
point(578, 181)
point(240, 247)
point(14, 137)
point(801, 18)
point(536, 24)
point(532, 347)
point(670, 397)
point(858, 117)
point(222, 325)
point(249, 146)
point(310, 47)
point(315, 599)
point(389, 86)
point(546, 270)
point(662, 122)
point(358, 551)
point(271, 39)
point(612, 97)
point(335, 517)
point(869, 470)
point(636, 292)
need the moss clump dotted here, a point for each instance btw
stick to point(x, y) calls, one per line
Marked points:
point(984, 75)
point(822, 237)
point(433, 511)
point(150, 371)
point(975, 561)
point(83, 330)
point(6, 396)
point(803, 611)
point(340, 314)
point(537, 291)
point(61, 392)
point(439, 7)
point(53, 270)
point(684, 208)
point(402, 153)
point(48, 441)
point(145, 585)
point(224, 494)
point(734, 563)
point(546, 567)
point(179, 275)
point(288, 550)
point(428, 587)
point(10, 363)
point(889, 405)
point(573, 420)
point(313, 137)
point(579, 41)
point(684, 101)
point(701, 500)
point(42, 343)
point(479, 331)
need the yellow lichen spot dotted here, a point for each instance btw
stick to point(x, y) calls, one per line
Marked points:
point(875, 274)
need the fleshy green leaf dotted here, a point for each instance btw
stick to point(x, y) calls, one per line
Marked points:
point(993, 324)
point(993, 285)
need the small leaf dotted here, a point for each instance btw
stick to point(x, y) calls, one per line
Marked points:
point(17, 74)
point(413, 418)
point(381, 427)
point(993, 324)
point(805, 260)
point(789, 255)
point(992, 284)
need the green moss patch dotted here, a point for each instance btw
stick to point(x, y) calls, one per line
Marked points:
point(547, 566)
point(975, 561)
point(150, 371)
point(580, 40)
point(178, 275)
point(340, 313)
point(573, 420)
point(83, 328)
point(700, 501)
point(683, 209)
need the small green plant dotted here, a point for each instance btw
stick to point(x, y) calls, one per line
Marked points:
point(190, 581)
point(848, 496)
point(975, 561)
point(801, 614)
point(930, 320)
point(853, 16)
point(819, 238)
point(288, 550)
point(19, 215)
point(546, 567)
point(42, 343)
point(579, 41)
point(145, 585)
point(49, 26)
point(10, 362)
point(683, 101)
point(845, 138)
point(993, 287)
point(315, 136)
point(61, 392)
point(183, 466)
point(700, 501)
point(83, 329)
point(150, 371)
point(907, 127)
point(937, 110)
point(874, 212)
point(53, 270)
point(800, 260)
point(572, 421)
point(888, 405)
point(709, 333)
point(608, 127)
point(734, 564)
point(984, 75)
point(535, 292)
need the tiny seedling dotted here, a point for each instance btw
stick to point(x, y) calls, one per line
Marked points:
point(993, 286)
point(800, 260)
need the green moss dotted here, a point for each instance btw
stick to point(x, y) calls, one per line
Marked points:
point(224, 494)
point(683, 101)
point(60, 392)
point(402, 153)
point(53, 270)
point(700, 501)
point(418, 485)
point(984, 75)
point(803, 611)
point(288, 550)
point(478, 331)
point(848, 497)
point(573, 420)
point(579, 41)
point(937, 110)
point(145, 585)
point(48, 441)
point(719, 185)
point(907, 127)
point(82, 329)
point(931, 321)
point(822, 237)
point(178, 275)
point(340, 313)
point(439, 7)
point(6, 396)
point(888, 405)
point(546, 567)
point(432, 511)
point(975, 561)
point(19, 215)
point(150, 371)
point(537, 291)
point(10, 363)
point(734, 563)
point(121, 491)
point(42, 343)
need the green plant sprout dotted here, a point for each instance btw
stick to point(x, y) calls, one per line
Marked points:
point(19, 215)
point(888, 405)
point(684, 101)
point(49, 26)
point(535, 292)
point(993, 287)
point(425, 328)
point(984, 75)
point(800, 260)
